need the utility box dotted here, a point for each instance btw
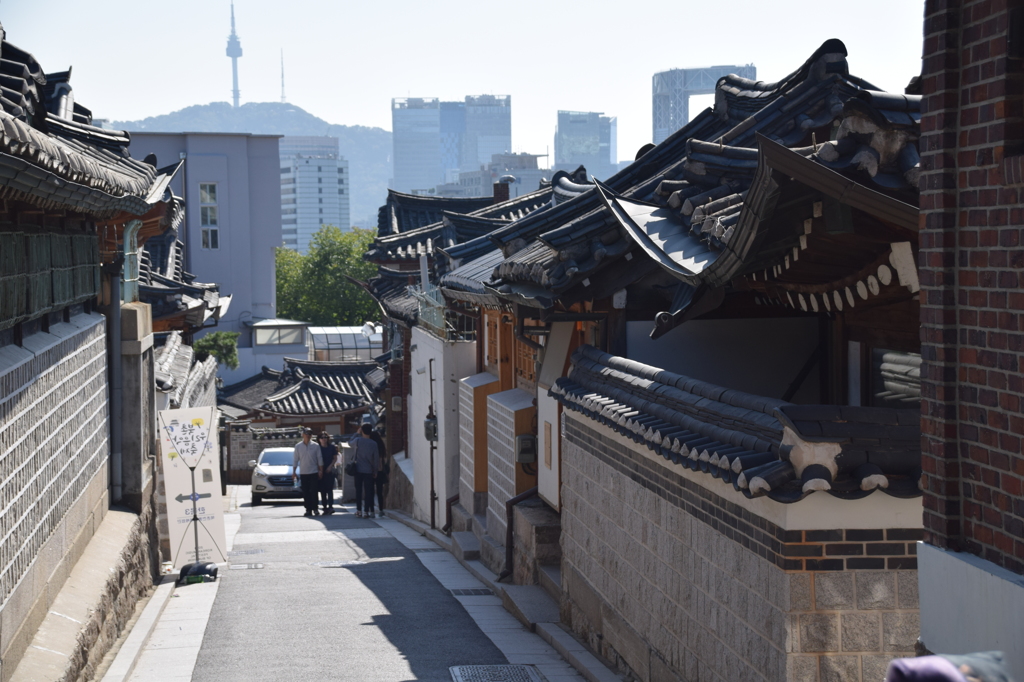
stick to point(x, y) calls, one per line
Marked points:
point(526, 448)
point(430, 429)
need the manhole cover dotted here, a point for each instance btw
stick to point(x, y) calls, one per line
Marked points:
point(242, 567)
point(239, 552)
point(495, 673)
point(471, 591)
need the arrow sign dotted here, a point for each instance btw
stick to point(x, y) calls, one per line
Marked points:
point(194, 497)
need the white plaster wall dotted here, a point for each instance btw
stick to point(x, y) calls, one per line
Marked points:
point(759, 356)
point(969, 604)
point(452, 362)
point(548, 478)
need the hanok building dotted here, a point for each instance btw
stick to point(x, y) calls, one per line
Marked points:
point(76, 387)
point(764, 434)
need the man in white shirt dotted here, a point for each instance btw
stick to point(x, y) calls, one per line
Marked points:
point(310, 467)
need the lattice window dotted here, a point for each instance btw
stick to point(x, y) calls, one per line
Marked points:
point(492, 340)
point(525, 362)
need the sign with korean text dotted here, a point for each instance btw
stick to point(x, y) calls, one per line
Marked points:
point(189, 456)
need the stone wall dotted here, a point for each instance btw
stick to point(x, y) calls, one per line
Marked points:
point(502, 410)
point(53, 447)
point(669, 581)
point(467, 447)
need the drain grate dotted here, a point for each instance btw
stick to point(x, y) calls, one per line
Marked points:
point(242, 567)
point(240, 552)
point(494, 673)
point(472, 591)
point(431, 549)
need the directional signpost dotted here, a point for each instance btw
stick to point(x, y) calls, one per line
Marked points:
point(192, 484)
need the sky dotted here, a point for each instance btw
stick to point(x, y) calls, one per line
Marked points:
point(345, 59)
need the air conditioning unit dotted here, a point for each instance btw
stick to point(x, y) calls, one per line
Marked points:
point(396, 353)
point(396, 403)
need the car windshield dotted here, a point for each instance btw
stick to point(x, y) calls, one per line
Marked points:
point(275, 458)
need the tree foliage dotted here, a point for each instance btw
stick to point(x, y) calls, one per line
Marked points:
point(313, 288)
point(221, 345)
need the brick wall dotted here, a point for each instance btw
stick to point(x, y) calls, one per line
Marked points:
point(970, 268)
point(670, 581)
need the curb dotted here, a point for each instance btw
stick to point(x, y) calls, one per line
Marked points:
point(128, 655)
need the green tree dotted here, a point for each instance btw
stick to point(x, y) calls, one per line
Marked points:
point(221, 345)
point(313, 288)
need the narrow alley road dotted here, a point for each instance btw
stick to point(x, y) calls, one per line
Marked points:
point(338, 598)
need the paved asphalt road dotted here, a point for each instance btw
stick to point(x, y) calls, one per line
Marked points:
point(383, 616)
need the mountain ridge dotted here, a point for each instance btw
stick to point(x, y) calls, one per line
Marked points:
point(367, 149)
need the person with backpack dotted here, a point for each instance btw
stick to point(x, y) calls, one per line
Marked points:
point(366, 458)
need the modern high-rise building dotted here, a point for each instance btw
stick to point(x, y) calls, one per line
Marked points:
point(488, 130)
point(416, 136)
point(434, 141)
point(672, 90)
point(586, 138)
point(314, 189)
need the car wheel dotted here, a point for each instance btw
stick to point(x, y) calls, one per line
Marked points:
point(256, 499)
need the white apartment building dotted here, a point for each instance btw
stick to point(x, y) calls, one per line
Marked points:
point(314, 189)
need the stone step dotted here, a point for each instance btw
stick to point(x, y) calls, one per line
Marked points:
point(465, 546)
point(492, 554)
point(530, 604)
point(550, 578)
point(578, 656)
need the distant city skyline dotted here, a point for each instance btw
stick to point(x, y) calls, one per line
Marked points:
point(339, 69)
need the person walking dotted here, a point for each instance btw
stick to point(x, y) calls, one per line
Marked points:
point(329, 454)
point(308, 462)
point(383, 472)
point(367, 460)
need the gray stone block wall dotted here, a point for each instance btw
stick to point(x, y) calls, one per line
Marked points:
point(501, 466)
point(467, 464)
point(53, 438)
point(663, 595)
point(53, 468)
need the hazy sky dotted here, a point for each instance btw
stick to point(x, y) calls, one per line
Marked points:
point(345, 60)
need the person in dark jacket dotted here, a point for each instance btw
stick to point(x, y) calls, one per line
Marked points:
point(367, 461)
point(329, 453)
point(383, 472)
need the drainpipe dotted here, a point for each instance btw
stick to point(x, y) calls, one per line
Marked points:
point(510, 531)
point(447, 529)
point(431, 415)
point(115, 377)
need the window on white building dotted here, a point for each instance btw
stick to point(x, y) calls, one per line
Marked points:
point(208, 217)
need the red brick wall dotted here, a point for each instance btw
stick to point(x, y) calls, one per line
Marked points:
point(972, 303)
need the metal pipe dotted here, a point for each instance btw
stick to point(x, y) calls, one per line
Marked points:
point(510, 530)
point(448, 514)
point(521, 337)
point(116, 480)
point(432, 415)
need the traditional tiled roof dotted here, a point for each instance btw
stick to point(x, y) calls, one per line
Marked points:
point(761, 446)
point(390, 288)
point(305, 388)
point(52, 157)
point(701, 203)
point(405, 212)
point(178, 373)
point(452, 228)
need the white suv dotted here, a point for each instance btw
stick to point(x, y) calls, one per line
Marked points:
point(272, 475)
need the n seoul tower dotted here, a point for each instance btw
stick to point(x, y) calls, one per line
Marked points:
point(234, 51)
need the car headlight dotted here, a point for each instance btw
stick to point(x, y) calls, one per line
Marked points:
point(259, 473)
